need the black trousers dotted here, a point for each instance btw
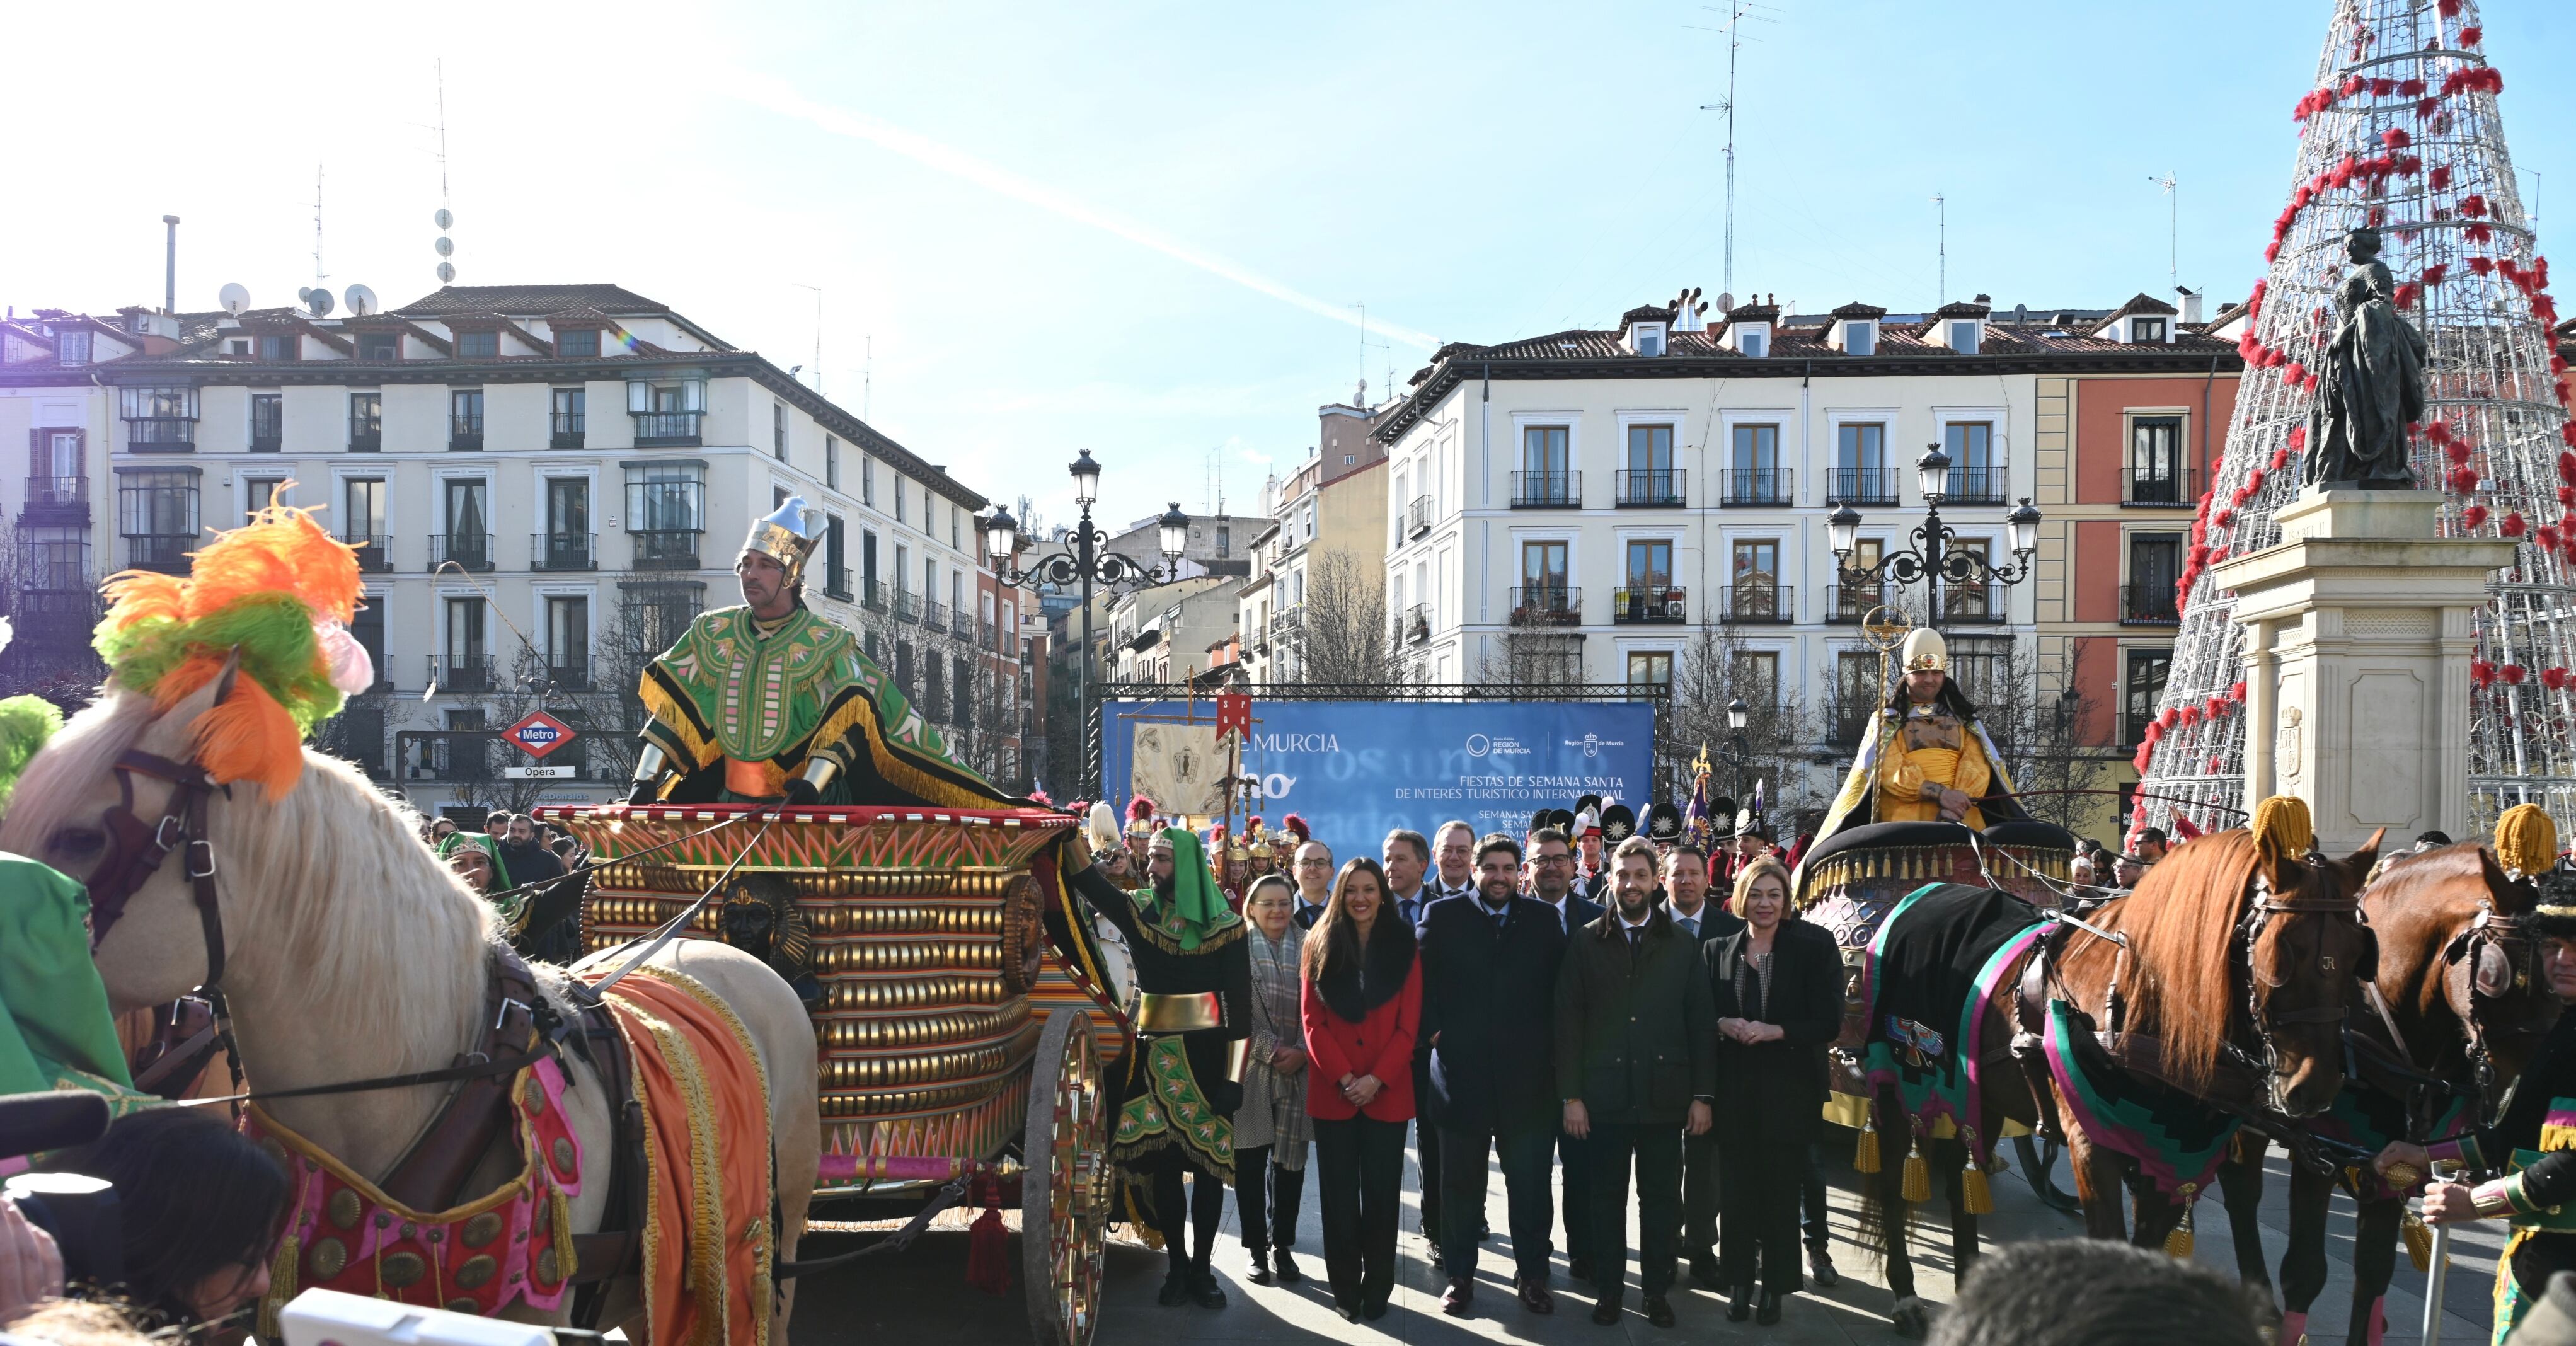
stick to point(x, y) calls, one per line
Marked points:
point(1266, 1197)
point(1654, 1150)
point(1573, 1156)
point(1426, 1150)
point(1359, 1186)
point(1531, 1205)
point(1759, 1186)
point(1700, 1179)
point(1206, 1210)
point(1811, 1189)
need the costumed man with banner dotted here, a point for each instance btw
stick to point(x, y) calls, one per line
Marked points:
point(1193, 1022)
point(1926, 758)
point(769, 701)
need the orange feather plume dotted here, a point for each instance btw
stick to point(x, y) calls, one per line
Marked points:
point(281, 548)
point(249, 736)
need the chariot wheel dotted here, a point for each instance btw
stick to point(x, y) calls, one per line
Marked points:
point(2039, 1167)
point(1066, 1185)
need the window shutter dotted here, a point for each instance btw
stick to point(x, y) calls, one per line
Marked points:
point(639, 396)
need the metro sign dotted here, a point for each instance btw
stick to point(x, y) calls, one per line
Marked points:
point(539, 734)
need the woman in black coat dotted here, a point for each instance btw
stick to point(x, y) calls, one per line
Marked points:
point(1778, 987)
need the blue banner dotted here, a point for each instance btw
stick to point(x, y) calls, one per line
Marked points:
point(1356, 770)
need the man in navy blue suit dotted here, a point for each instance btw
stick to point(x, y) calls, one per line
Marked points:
point(1551, 881)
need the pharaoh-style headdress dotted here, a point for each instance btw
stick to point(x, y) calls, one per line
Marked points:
point(787, 536)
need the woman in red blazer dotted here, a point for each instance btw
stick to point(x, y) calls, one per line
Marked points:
point(1361, 1005)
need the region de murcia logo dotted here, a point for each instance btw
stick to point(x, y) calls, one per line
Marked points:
point(1478, 745)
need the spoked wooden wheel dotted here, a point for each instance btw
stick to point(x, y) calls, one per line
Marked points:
point(1065, 1189)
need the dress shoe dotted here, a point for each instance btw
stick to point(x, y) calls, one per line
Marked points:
point(1204, 1291)
point(1703, 1273)
point(1459, 1299)
point(1769, 1313)
point(1739, 1304)
point(1288, 1272)
point(1605, 1310)
point(1535, 1298)
point(1176, 1291)
point(1373, 1312)
point(1256, 1266)
point(1433, 1255)
point(1349, 1314)
point(1659, 1310)
point(1820, 1268)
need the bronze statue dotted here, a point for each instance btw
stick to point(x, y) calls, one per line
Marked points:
point(2373, 383)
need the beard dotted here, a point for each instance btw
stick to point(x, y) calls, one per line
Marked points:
point(1633, 906)
point(1164, 886)
point(1498, 896)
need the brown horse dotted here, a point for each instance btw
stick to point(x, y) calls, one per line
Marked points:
point(2460, 1006)
point(2221, 974)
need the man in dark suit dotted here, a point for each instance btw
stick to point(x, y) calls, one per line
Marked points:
point(1489, 964)
point(1636, 1042)
point(1551, 881)
point(1687, 898)
point(1312, 869)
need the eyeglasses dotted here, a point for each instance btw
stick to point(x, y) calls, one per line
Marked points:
point(1551, 859)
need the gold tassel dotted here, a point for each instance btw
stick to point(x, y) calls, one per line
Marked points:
point(1137, 1222)
point(1918, 1173)
point(1974, 1192)
point(281, 1288)
point(561, 1206)
point(2178, 1244)
point(1865, 1156)
point(2419, 1241)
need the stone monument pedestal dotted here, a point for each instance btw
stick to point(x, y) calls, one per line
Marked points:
point(2357, 644)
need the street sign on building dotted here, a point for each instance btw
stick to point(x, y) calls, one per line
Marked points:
point(539, 734)
point(536, 773)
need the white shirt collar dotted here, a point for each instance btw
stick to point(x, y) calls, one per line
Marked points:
point(1637, 924)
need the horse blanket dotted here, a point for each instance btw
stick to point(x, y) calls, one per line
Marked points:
point(1930, 972)
point(2177, 1140)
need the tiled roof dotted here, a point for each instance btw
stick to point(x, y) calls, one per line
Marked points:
point(1859, 310)
point(529, 301)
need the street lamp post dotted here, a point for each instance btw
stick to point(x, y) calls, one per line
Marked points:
point(1933, 558)
point(1737, 753)
point(1086, 560)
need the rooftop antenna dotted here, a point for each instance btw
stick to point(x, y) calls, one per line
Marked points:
point(2173, 228)
point(170, 276)
point(818, 331)
point(868, 377)
point(444, 218)
point(1360, 398)
point(1941, 270)
point(319, 275)
point(1737, 11)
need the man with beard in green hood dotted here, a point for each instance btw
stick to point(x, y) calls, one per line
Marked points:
point(1194, 1002)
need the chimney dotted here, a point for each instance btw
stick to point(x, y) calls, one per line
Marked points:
point(170, 271)
point(2188, 302)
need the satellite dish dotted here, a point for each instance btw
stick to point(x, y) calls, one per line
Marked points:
point(446, 272)
point(1725, 301)
point(319, 300)
point(2021, 314)
point(234, 298)
point(304, 294)
point(362, 301)
point(443, 219)
point(445, 248)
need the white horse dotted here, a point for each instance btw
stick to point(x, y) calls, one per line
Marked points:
point(351, 953)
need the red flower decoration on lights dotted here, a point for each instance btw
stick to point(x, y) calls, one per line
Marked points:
point(2547, 536)
point(2434, 274)
point(2482, 265)
point(2513, 526)
point(2441, 176)
point(2225, 518)
point(2457, 453)
point(2481, 673)
point(2406, 294)
point(2425, 107)
point(2513, 674)
point(2472, 35)
point(2146, 756)
point(2478, 233)
point(2218, 706)
point(2473, 516)
point(2171, 716)
point(2554, 678)
point(2465, 480)
point(2474, 205)
point(2280, 459)
point(2410, 88)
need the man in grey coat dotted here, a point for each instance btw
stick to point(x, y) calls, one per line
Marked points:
point(1636, 1058)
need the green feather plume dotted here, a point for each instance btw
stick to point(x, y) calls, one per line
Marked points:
point(25, 723)
point(273, 632)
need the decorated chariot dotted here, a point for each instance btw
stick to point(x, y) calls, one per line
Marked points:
point(961, 1027)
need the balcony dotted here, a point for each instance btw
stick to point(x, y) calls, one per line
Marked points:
point(934, 614)
point(465, 432)
point(161, 434)
point(2171, 488)
point(1650, 605)
point(1751, 487)
point(1861, 486)
point(1975, 486)
point(1414, 627)
point(666, 429)
point(836, 582)
point(1417, 516)
point(366, 436)
point(1658, 488)
point(1759, 603)
point(470, 551)
point(566, 430)
point(569, 673)
point(870, 596)
point(452, 755)
point(1547, 605)
point(1547, 490)
point(375, 551)
point(165, 552)
point(1984, 604)
point(906, 607)
point(563, 551)
point(2149, 605)
point(665, 548)
point(266, 438)
point(461, 672)
point(1847, 718)
point(1852, 602)
point(35, 608)
point(57, 500)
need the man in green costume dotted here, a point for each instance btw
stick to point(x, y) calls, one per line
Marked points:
point(769, 701)
point(1194, 983)
point(59, 1032)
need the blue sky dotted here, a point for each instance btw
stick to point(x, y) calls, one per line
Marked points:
point(1143, 229)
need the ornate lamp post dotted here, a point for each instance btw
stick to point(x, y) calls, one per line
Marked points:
point(1933, 558)
point(1086, 560)
point(1737, 753)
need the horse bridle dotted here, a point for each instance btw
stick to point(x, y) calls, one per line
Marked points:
point(2518, 944)
point(2249, 932)
point(137, 850)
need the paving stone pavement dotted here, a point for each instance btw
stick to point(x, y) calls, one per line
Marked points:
point(921, 1295)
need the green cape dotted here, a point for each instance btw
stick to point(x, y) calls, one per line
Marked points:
point(59, 1025)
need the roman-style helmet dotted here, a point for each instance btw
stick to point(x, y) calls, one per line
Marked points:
point(787, 536)
point(1924, 649)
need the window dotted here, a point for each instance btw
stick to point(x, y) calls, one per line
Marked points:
point(2155, 462)
point(1860, 338)
point(954, 534)
point(383, 347)
point(1972, 602)
point(778, 496)
point(267, 421)
point(2155, 564)
point(661, 612)
point(478, 345)
point(567, 536)
point(902, 563)
point(1856, 694)
point(1648, 594)
point(1650, 668)
point(278, 346)
point(468, 538)
point(836, 577)
point(468, 662)
point(1650, 563)
point(1545, 596)
point(366, 422)
point(367, 627)
point(832, 462)
point(237, 346)
point(2144, 330)
point(55, 463)
point(362, 519)
point(157, 513)
point(1543, 449)
point(899, 506)
point(868, 564)
point(1755, 677)
point(1757, 478)
point(577, 343)
point(1975, 476)
point(666, 414)
point(1224, 538)
point(1757, 448)
point(465, 418)
point(1309, 520)
point(2143, 685)
point(778, 431)
point(1753, 591)
point(568, 640)
point(1546, 477)
point(963, 697)
point(1650, 479)
point(1349, 458)
point(1647, 337)
point(1963, 337)
point(569, 420)
point(1755, 341)
point(71, 347)
point(868, 481)
point(1853, 598)
point(664, 511)
point(160, 420)
point(1860, 466)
